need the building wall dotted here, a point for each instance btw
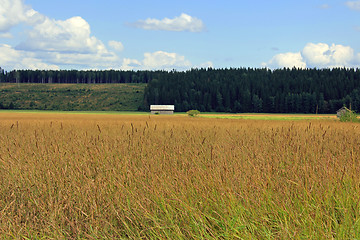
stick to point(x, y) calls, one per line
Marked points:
point(341, 112)
point(162, 112)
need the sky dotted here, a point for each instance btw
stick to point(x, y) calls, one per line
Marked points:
point(178, 34)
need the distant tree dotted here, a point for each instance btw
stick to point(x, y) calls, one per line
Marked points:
point(11, 105)
point(193, 113)
point(257, 103)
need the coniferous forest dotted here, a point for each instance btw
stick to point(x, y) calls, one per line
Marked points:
point(223, 90)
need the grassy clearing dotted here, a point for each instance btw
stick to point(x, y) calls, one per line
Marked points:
point(176, 177)
point(72, 97)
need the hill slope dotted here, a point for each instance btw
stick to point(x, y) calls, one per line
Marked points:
point(70, 97)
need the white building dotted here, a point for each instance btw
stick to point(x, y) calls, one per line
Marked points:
point(162, 109)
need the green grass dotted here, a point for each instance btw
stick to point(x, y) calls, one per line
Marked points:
point(247, 116)
point(285, 117)
point(72, 97)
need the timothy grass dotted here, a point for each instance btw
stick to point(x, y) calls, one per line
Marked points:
point(175, 177)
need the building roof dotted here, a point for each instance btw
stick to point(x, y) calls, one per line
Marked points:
point(162, 107)
point(344, 109)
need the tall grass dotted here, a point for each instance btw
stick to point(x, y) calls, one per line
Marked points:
point(175, 177)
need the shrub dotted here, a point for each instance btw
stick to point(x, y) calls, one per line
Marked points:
point(349, 116)
point(193, 113)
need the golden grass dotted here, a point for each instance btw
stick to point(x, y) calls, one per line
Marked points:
point(176, 177)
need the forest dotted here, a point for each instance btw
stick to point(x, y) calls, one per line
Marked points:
point(223, 90)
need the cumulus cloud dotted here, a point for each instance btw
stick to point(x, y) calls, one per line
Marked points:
point(51, 43)
point(287, 60)
point(13, 12)
point(68, 42)
point(118, 46)
point(354, 5)
point(15, 59)
point(131, 64)
point(71, 35)
point(82, 60)
point(163, 61)
point(320, 55)
point(158, 60)
point(184, 22)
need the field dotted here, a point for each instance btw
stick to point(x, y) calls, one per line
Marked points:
point(269, 116)
point(95, 176)
point(72, 97)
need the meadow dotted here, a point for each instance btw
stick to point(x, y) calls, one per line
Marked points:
point(72, 97)
point(91, 176)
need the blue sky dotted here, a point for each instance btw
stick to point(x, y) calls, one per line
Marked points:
point(139, 34)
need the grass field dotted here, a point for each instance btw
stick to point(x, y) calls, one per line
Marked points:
point(72, 97)
point(97, 176)
point(247, 116)
point(270, 116)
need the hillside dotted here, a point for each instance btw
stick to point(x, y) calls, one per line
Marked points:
point(258, 90)
point(72, 97)
point(234, 90)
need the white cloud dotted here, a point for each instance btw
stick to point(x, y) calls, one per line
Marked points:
point(51, 43)
point(118, 46)
point(71, 35)
point(164, 60)
point(131, 64)
point(158, 60)
point(161, 60)
point(287, 60)
point(322, 55)
point(319, 55)
point(13, 12)
point(82, 60)
point(11, 58)
point(314, 53)
point(178, 24)
point(354, 5)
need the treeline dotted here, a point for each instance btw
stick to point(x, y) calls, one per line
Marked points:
point(258, 90)
point(224, 90)
point(76, 76)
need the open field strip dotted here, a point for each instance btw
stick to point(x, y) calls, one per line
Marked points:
point(255, 116)
point(271, 116)
point(114, 176)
